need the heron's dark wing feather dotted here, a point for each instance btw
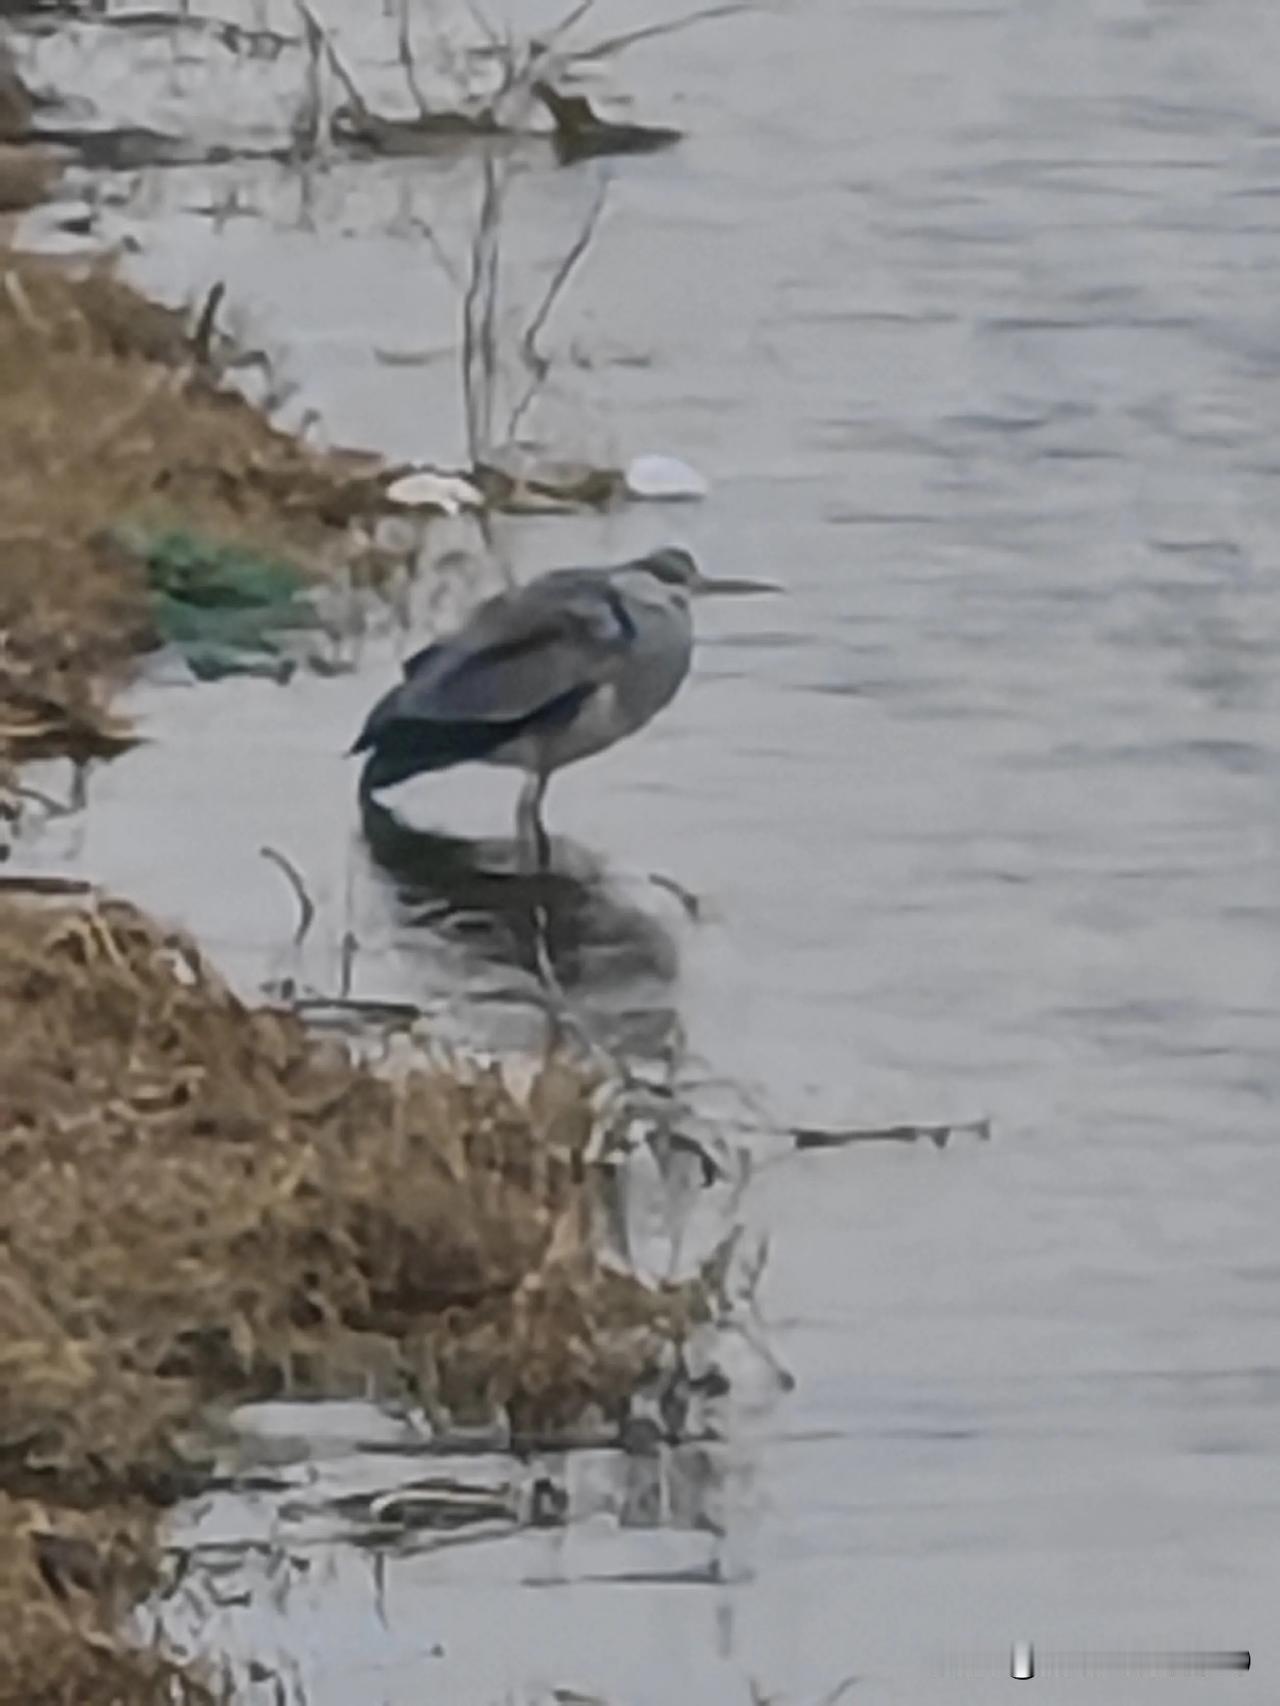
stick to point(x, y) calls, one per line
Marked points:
point(407, 746)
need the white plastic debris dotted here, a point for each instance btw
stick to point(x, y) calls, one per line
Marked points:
point(427, 489)
point(664, 479)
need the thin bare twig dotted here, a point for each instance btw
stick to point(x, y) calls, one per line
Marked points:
point(202, 337)
point(404, 48)
point(616, 44)
point(320, 38)
point(306, 906)
point(537, 364)
point(483, 25)
point(348, 949)
point(52, 807)
point(444, 260)
point(839, 1691)
point(15, 882)
point(519, 70)
point(540, 49)
point(479, 318)
point(489, 325)
point(572, 17)
point(305, 125)
point(347, 1006)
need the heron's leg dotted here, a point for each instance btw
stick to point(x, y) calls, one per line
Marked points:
point(530, 829)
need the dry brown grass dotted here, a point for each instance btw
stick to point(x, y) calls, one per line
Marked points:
point(26, 176)
point(200, 1200)
point(201, 1197)
point(109, 411)
point(66, 1579)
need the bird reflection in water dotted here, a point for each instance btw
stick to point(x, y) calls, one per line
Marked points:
point(562, 947)
point(518, 930)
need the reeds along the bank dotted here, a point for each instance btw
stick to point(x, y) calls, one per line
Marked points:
point(202, 1202)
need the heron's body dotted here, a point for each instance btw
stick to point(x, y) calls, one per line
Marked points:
point(543, 675)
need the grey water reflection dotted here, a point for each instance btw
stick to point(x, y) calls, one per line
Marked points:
point(565, 930)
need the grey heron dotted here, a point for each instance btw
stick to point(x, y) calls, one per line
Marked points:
point(543, 675)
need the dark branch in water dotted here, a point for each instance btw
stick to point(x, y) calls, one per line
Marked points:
point(580, 132)
point(404, 50)
point(837, 1137)
point(36, 882)
point(444, 260)
point(839, 1691)
point(202, 337)
point(337, 1007)
point(318, 38)
point(306, 906)
point(53, 808)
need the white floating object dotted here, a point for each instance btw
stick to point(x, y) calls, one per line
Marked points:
point(448, 493)
point(664, 479)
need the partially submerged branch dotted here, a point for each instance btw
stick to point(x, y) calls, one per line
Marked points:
point(580, 133)
point(294, 878)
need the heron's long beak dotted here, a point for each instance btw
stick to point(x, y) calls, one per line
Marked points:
point(706, 585)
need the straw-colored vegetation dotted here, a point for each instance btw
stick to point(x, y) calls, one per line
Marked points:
point(201, 1200)
point(110, 411)
point(26, 176)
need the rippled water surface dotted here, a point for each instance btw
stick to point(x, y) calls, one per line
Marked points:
point(968, 312)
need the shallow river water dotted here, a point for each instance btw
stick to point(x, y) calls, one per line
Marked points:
point(968, 314)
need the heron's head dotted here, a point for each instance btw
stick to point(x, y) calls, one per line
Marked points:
point(675, 567)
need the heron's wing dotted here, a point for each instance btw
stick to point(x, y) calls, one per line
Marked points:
point(564, 634)
point(521, 650)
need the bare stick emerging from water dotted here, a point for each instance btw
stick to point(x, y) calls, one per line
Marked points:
point(479, 318)
point(573, 16)
point(306, 906)
point(320, 38)
point(404, 49)
point(206, 324)
point(539, 365)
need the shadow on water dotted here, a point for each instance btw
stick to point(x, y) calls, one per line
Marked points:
point(569, 931)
